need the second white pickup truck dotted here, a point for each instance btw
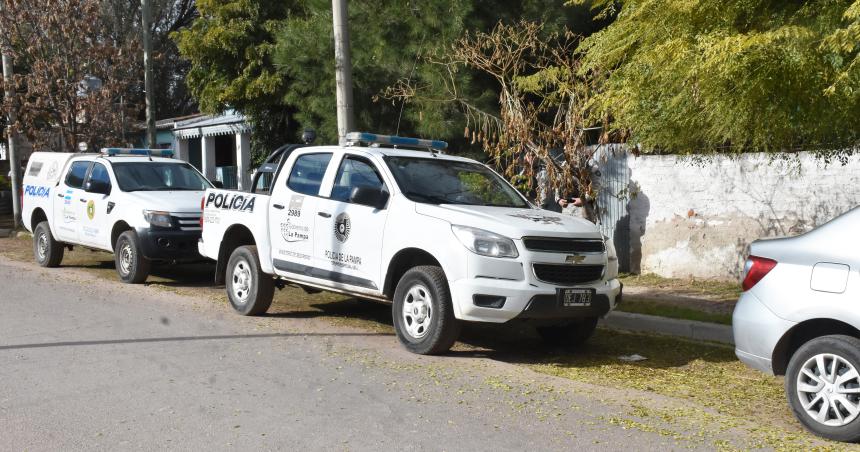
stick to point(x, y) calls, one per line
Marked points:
point(444, 238)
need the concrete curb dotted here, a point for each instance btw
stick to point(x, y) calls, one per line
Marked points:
point(690, 329)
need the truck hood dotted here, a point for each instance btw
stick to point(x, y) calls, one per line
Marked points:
point(170, 201)
point(513, 222)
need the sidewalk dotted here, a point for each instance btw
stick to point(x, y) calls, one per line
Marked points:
point(692, 309)
point(689, 329)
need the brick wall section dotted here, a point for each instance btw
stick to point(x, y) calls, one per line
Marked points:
point(697, 218)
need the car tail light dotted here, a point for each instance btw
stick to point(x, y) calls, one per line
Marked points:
point(202, 203)
point(755, 269)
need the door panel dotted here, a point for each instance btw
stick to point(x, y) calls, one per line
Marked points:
point(293, 212)
point(68, 208)
point(95, 219)
point(348, 236)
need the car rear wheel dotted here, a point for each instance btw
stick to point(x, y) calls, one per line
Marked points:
point(822, 384)
point(249, 290)
point(48, 252)
point(570, 334)
point(423, 311)
point(131, 265)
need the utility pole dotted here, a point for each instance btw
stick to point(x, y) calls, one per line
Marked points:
point(14, 164)
point(343, 70)
point(146, 19)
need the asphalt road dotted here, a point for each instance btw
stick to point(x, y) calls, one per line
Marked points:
point(98, 365)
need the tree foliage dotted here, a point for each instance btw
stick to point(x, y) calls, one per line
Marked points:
point(169, 69)
point(729, 76)
point(57, 45)
point(274, 62)
point(230, 50)
point(387, 46)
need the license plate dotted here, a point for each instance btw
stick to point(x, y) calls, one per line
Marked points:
point(575, 297)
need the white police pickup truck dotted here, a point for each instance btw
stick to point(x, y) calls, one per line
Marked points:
point(444, 238)
point(137, 203)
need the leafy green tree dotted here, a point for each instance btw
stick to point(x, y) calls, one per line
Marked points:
point(389, 41)
point(274, 62)
point(395, 47)
point(230, 48)
point(715, 75)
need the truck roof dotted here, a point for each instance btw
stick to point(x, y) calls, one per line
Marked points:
point(393, 152)
point(125, 158)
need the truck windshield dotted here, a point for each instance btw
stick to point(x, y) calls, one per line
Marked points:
point(438, 181)
point(158, 176)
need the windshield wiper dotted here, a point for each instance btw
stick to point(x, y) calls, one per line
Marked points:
point(429, 198)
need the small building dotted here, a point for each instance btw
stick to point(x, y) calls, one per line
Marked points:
point(219, 146)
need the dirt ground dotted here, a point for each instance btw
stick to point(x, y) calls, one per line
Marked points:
point(708, 377)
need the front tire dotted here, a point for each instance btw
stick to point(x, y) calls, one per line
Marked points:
point(822, 385)
point(424, 313)
point(48, 251)
point(131, 265)
point(249, 290)
point(571, 334)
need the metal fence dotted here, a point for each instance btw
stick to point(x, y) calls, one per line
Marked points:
point(613, 184)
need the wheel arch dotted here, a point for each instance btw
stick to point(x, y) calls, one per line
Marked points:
point(37, 217)
point(802, 333)
point(235, 236)
point(118, 228)
point(401, 262)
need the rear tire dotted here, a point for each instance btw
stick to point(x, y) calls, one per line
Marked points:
point(131, 265)
point(822, 394)
point(249, 290)
point(424, 313)
point(48, 251)
point(571, 334)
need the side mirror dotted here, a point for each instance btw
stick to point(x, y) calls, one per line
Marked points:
point(369, 196)
point(98, 186)
point(217, 183)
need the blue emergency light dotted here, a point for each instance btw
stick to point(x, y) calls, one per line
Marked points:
point(113, 152)
point(372, 138)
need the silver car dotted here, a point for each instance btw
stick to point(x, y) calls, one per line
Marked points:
point(799, 316)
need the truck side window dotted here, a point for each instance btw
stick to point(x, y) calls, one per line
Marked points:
point(307, 173)
point(99, 174)
point(354, 172)
point(77, 172)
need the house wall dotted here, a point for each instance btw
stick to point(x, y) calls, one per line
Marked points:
point(697, 218)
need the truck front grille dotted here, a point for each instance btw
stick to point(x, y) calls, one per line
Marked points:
point(187, 221)
point(563, 245)
point(562, 274)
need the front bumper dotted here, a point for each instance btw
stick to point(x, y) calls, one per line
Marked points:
point(169, 244)
point(525, 295)
point(528, 300)
point(757, 330)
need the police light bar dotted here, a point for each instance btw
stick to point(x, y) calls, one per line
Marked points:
point(113, 152)
point(364, 137)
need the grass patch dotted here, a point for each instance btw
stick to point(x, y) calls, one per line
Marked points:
point(709, 375)
point(719, 290)
point(649, 307)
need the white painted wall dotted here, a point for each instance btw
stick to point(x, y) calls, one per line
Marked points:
point(690, 218)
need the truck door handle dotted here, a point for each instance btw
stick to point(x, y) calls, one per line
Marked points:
point(278, 206)
point(83, 200)
point(60, 195)
point(324, 214)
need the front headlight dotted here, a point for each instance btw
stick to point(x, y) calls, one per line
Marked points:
point(158, 218)
point(485, 243)
point(611, 254)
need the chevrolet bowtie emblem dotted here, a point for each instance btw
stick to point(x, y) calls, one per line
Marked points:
point(574, 259)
